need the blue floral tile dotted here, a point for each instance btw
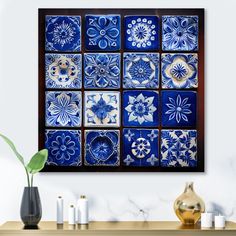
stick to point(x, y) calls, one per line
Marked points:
point(180, 33)
point(140, 147)
point(102, 148)
point(101, 109)
point(102, 70)
point(63, 109)
point(63, 70)
point(141, 33)
point(141, 70)
point(179, 70)
point(178, 108)
point(140, 108)
point(63, 33)
point(102, 32)
point(64, 147)
point(178, 148)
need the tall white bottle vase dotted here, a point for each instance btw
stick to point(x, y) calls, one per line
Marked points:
point(60, 210)
point(82, 210)
point(71, 215)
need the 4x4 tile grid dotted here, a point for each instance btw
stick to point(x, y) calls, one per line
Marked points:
point(123, 12)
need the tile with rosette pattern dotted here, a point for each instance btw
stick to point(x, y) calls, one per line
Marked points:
point(102, 148)
point(64, 147)
point(63, 71)
point(63, 33)
point(141, 33)
point(179, 70)
point(102, 70)
point(140, 147)
point(140, 108)
point(180, 33)
point(101, 109)
point(141, 70)
point(178, 148)
point(63, 109)
point(179, 108)
point(102, 32)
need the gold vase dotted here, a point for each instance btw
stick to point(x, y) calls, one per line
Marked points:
point(189, 206)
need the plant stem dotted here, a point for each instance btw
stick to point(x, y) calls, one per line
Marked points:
point(27, 174)
point(32, 178)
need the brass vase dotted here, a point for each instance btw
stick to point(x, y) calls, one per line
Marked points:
point(189, 206)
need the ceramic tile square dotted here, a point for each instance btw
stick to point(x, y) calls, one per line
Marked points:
point(102, 148)
point(63, 109)
point(102, 32)
point(102, 70)
point(141, 70)
point(101, 109)
point(178, 108)
point(63, 33)
point(140, 147)
point(179, 70)
point(63, 70)
point(64, 147)
point(180, 33)
point(141, 33)
point(140, 108)
point(178, 148)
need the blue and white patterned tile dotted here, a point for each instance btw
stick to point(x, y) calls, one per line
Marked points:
point(178, 148)
point(63, 109)
point(141, 70)
point(180, 33)
point(102, 148)
point(63, 70)
point(140, 108)
point(63, 33)
point(140, 147)
point(102, 32)
point(179, 70)
point(179, 108)
point(141, 33)
point(101, 109)
point(64, 147)
point(102, 70)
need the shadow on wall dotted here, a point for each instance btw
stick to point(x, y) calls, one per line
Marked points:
point(219, 210)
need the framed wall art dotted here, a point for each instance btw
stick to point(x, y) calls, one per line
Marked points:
point(122, 90)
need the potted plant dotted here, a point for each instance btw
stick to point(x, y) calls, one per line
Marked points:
point(31, 210)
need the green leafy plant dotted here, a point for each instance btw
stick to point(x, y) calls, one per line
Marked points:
point(36, 163)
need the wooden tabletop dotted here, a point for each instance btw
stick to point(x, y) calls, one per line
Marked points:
point(114, 226)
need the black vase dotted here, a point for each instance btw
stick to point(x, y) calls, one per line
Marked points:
point(31, 209)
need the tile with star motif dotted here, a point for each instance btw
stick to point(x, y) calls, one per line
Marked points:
point(63, 33)
point(101, 109)
point(140, 108)
point(140, 147)
point(178, 148)
point(141, 70)
point(179, 108)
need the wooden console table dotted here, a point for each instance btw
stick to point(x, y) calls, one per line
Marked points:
point(151, 228)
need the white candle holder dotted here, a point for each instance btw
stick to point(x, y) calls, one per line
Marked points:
point(219, 222)
point(206, 220)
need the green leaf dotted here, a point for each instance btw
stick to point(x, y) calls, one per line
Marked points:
point(38, 161)
point(12, 146)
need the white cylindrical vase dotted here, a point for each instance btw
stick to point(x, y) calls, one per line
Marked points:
point(82, 210)
point(71, 215)
point(60, 210)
